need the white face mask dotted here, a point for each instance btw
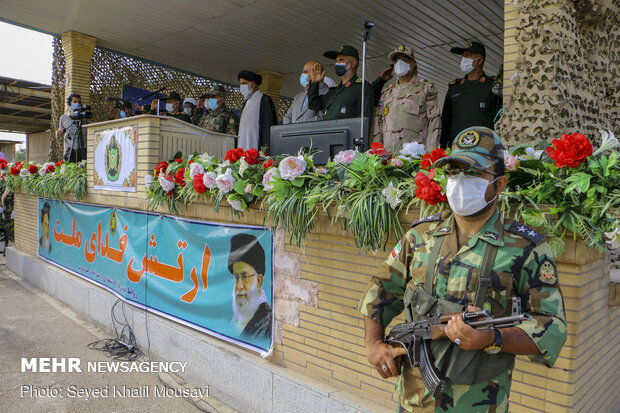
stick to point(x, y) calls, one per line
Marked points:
point(466, 194)
point(467, 65)
point(188, 111)
point(245, 91)
point(401, 68)
point(169, 107)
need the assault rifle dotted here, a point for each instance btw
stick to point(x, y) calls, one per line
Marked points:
point(415, 338)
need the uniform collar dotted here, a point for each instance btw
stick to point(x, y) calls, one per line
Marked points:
point(492, 232)
point(349, 82)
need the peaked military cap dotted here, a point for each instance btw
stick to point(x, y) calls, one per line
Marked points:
point(407, 51)
point(478, 147)
point(345, 50)
point(475, 47)
point(173, 95)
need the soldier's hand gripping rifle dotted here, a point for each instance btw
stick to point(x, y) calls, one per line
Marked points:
point(415, 338)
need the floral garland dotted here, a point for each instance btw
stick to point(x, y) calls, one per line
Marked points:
point(566, 187)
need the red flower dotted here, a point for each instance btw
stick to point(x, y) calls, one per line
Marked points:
point(199, 185)
point(16, 168)
point(570, 150)
point(178, 160)
point(59, 163)
point(268, 164)
point(377, 149)
point(3, 163)
point(33, 169)
point(49, 169)
point(428, 190)
point(429, 159)
point(251, 156)
point(163, 165)
point(170, 194)
point(234, 155)
point(191, 161)
point(179, 178)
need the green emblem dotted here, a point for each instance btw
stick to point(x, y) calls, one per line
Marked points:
point(487, 306)
point(468, 139)
point(113, 222)
point(113, 159)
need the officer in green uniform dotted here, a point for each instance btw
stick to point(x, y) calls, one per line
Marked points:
point(174, 106)
point(219, 118)
point(470, 101)
point(343, 100)
point(437, 267)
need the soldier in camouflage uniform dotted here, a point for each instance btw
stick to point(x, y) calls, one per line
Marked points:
point(408, 110)
point(477, 364)
point(219, 118)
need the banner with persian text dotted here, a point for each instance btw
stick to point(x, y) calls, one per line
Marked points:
point(114, 165)
point(217, 278)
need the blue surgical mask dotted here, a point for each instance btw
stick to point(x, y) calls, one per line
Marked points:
point(303, 79)
point(123, 114)
point(75, 106)
point(213, 103)
point(169, 107)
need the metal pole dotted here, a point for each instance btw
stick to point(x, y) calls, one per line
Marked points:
point(359, 142)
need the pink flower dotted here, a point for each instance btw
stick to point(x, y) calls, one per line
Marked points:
point(291, 167)
point(209, 180)
point(345, 157)
point(510, 161)
point(195, 169)
point(166, 182)
point(321, 170)
point(249, 188)
point(226, 181)
point(268, 178)
point(396, 162)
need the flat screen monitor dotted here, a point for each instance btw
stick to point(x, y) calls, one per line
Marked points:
point(328, 137)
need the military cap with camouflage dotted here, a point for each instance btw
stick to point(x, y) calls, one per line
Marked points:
point(215, 90)
point(477, 147)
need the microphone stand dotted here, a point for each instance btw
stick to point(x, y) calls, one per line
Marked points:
point(360, 142)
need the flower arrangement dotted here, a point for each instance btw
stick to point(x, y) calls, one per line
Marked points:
point(51, 180)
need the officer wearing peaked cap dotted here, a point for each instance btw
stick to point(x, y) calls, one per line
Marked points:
point(470, 100)
point(343, 100)
point(472, 258)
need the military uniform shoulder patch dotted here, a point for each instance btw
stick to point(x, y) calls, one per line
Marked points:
point(454, 82)
point(430, 218)
point(526, 232)
point(431, 96)
point(546, 272)
point(396, 251)
point(358, 80)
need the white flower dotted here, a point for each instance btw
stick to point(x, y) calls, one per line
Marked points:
point(243, 165)
point(268, 178)
point(413, 149)
point(235, 204)
point(43, 169)
point(510, 161)
point(225, 182)
point(221, 166)
point(249, 188)
point(613, 238)
point(206, 158)
point(530, 154)
point(391, 195)
point(609, 142)
point(194, 169)
point(291, 167)
point(345, 157)
point(148, 180)
point(209, 179)
point(166, 182)
point(321, 170)
point(62, 169)
point(396, 162)
point(24, 171)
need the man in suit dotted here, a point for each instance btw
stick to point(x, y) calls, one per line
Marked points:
point(299, 111)
point(258, 114)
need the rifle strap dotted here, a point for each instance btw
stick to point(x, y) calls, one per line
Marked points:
point(431, 264)
point(484, 281)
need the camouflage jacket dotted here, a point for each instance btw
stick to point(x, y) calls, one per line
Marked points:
point(221, 120)
point(407, 113)
point(524, 267)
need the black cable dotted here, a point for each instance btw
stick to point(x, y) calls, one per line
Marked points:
point(124, 345)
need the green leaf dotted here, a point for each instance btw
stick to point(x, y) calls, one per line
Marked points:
point(240, 186)
point(533, 217)
point(298, 182)
point(578, 181)
point(258, 191)
point(557, 245)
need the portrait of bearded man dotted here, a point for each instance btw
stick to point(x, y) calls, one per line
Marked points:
point(252, 314)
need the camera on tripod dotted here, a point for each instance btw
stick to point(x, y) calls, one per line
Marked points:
point(80, 112)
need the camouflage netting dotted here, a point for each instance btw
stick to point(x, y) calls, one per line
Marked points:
point(111, 70)
point(567, 77)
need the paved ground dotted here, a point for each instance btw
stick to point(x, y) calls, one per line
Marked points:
point(33, 324)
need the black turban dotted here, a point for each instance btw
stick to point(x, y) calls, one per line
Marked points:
point(250, 76)
point(246, 248)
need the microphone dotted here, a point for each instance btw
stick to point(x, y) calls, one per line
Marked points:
point(151, 94)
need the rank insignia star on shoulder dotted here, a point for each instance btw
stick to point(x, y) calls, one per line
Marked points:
point(526, 232)
point(430, 218)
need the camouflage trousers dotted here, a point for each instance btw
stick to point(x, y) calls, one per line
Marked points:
point(490, 396)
